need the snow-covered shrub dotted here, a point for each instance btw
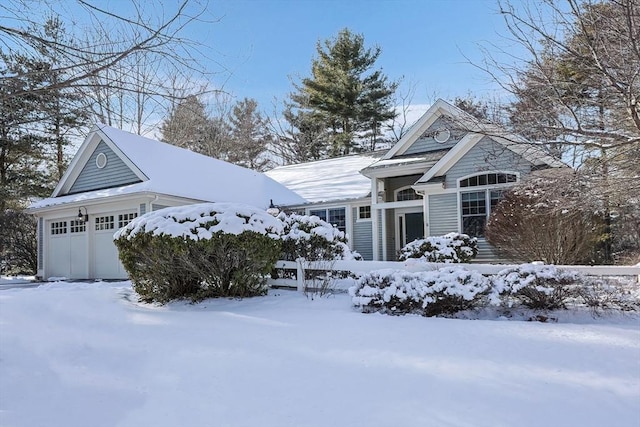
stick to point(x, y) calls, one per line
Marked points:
point(313, 239)
point(447, 290)
point(536, 286)
point(450, 248)
point(200, 251)
point(604, 294)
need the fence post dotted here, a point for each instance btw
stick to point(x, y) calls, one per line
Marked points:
point(300, 274)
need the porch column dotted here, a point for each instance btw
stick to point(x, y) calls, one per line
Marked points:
point(375, 238)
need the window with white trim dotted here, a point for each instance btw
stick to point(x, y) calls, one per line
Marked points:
point(124, 219)
point(334, 216)
point(59, 227)
point(488, 179)
point(77, 226)
point(476, 205)
point(364, 212)
point(105, 223)
point(407, 193)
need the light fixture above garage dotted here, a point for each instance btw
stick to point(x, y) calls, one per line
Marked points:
point(81, 217)
point(273, 209)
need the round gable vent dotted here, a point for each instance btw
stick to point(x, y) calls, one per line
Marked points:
point(101, 160)
point(442, 135)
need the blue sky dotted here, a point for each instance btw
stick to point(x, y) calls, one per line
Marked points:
point(264, 43)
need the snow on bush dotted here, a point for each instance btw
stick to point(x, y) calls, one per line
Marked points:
point(313, 239)
point(536, 286)
point(201, 221)
point(603, 294)
point(430, 293)
point(450, 248)
point(199, 251)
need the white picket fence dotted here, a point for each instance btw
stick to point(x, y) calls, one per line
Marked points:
point(359, 267)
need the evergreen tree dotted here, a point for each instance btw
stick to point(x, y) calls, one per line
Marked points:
point(64, 108)
point(249, 136)
point(22, 146)
point(344, 94)
point(190, 126)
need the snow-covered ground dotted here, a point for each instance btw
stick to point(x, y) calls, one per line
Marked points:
point(87, 354)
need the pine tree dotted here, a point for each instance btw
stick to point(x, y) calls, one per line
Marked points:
point(344, 94)
point(22, 145)
point(249, 136)
point(190, 126)
point(64, 108)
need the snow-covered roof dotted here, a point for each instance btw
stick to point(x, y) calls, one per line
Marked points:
point(425, 160)
point(331, 179)
point(170, 170)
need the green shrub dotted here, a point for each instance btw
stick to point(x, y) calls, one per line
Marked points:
point(313, 239)
point(200, 251)
point(536, 286)
point(450, 248)
point(445, 291)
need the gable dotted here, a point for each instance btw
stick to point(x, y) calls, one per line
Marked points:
point(115, 172)
point(427, 142)
point(486, 155)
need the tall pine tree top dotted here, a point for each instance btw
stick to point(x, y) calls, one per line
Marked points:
point(344, 94)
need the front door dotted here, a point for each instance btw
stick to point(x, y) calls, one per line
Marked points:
point(410, 226)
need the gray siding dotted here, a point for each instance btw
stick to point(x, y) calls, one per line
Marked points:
point(443, 214)
point(362, 237)
point(426, 142)
point(484, 156)
point(115, 174)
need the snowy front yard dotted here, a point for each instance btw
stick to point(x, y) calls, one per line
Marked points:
point(84, 354)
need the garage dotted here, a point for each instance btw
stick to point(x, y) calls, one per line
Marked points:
point(106, 263)
point(68, 249)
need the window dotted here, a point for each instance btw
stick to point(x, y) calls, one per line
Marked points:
point(322, 214)
point(105, 223)
point(124, 219)
point(59, 227)
point(338, 218)
point(488, 179)
point(406, 194)
point(364, 212)
point(77, 226)
point(476, 208)
point(334, 216)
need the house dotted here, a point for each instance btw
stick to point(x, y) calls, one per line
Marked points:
point(444, 175)
point(116, 176)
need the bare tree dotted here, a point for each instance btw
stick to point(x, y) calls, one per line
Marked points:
point(548, 218)
point(575, 91)
point(122, 62)
point(580, 80)
point(403, 98)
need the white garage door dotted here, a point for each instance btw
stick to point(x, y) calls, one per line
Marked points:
point(106, 261)
point(67, 254)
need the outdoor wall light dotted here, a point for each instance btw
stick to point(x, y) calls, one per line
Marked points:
point(273, 209)
point(81, 217)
